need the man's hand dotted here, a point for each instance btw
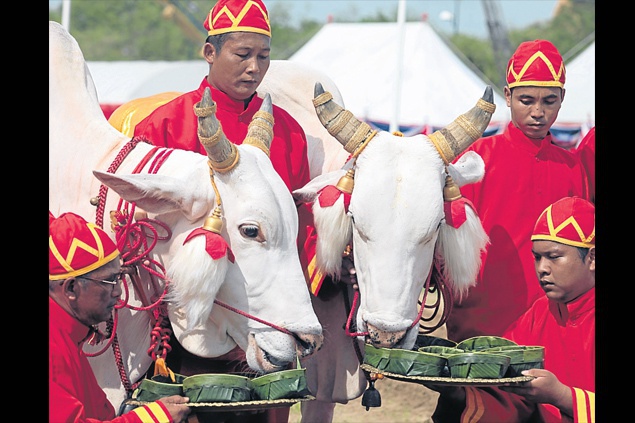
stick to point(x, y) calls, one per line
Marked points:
point(176, 407)
point(545, 389)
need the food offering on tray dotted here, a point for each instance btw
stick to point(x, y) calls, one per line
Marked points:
point(487, 360)
point(444, 352)
point(478, 365)
point(523, 357)
point(283, 384)
point(158, 387)
point(408, 362)
point(477, 343)
point(217, 387)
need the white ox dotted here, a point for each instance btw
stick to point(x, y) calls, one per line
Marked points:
point(395, 224)
point(260, 226)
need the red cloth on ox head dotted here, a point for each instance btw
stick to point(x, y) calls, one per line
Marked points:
point(570, 221)
point(238, 15)
point(77, 247)
point(536, 63)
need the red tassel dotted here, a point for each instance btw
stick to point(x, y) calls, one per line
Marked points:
point(215, 245)
point(455, 214)
point(329, 195)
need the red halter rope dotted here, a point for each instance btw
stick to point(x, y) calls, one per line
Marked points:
point(132, 239)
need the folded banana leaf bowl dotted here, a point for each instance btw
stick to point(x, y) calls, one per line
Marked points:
point(211, 388)
point(480, 357)
point(158, 387)
point(228, 388)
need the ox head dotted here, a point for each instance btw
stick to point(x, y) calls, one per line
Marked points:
point(394, 217)
point(244, 255)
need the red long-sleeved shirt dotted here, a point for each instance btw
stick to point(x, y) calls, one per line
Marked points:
point(522, 177)
point(74, 394)
point(174, 125)
point(567, 331)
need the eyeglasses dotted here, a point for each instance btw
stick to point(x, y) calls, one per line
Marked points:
point(118, 278)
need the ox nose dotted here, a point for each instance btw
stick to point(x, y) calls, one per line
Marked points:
point(384, 339)
point(307, 344)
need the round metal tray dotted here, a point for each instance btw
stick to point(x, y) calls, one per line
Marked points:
point(437, 380)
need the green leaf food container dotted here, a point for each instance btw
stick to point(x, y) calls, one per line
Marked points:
point(283, 384)
point(158, 387)
point(443, 352)
point(429, 340)
point(478, 365)
point(478, 343)
point(376, 357)
point(523, 357)
point(217, 387)
point(415, 363)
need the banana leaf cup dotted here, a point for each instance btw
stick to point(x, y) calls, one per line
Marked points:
point(523, 357)
point(478, 365)
point(217, 387)
point(158, 387)
point(477, 343)
point(283, 384)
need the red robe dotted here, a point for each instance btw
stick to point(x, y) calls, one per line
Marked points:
point(567, 331)
point(74, 394)
point(174, 125)
point(586, 151)
point(522, 177)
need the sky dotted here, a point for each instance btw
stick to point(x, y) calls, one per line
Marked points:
point(463, 16)
point(469, 14)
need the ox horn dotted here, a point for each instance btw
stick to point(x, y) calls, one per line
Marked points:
point(339, 122)
point(260, 132)
point(465, 129)
point(223, 154)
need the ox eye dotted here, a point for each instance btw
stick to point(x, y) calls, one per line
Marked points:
point(251, 231)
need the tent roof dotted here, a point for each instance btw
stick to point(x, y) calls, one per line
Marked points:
point(578, 106)
point(122, 81)
point(361, 58)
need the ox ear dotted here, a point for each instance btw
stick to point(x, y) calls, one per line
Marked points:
point(309, 192)
point(468, 169)
point(332, 223)
point(162, 194)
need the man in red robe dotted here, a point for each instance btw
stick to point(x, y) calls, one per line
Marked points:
point(237, 50)
point(84, 287)
point(562, 320)
point(586, 152)
point(524, 173)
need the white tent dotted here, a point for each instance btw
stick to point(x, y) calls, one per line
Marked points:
point(122, 81)
point(578, 107)
point(436, 84)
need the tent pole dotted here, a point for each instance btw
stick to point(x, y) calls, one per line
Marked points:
point(401, 28)
point(66, 15)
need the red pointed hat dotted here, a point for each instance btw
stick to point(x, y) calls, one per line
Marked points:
point(77, 247)
point(570, 221)
point(536, 63)
point(238, 15)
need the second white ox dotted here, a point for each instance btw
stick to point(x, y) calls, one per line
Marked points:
point(395, 222)
point(265, 278)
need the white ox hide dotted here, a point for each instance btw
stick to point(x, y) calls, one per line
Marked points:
point(260, 226)
point(396, 227)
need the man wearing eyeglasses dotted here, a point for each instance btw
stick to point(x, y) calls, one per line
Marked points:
point(84, 286)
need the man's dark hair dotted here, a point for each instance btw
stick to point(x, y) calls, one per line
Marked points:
point(217, 40)
point(582, 252)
